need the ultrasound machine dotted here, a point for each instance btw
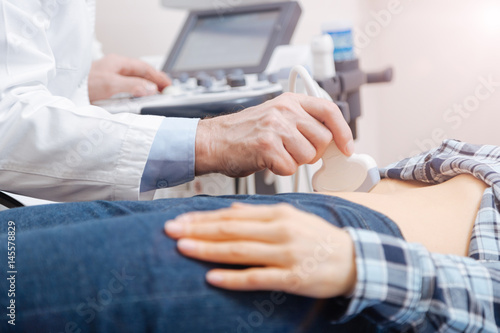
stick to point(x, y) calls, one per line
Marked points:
point(218, 62)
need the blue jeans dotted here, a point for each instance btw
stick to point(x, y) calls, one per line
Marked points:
point(109, 267)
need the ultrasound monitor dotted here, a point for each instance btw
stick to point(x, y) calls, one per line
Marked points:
point(243, 38)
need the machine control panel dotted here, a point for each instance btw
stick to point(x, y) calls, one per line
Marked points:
point(200, 96)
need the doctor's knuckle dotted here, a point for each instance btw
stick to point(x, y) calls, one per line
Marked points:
point(309, 155)
point(286, 134)
point(272, 119)
point(288, 96)
point(286, 102)
point(265, 141)
point(324, 135)
point(289, 168)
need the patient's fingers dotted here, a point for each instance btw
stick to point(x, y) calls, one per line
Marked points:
point(240, 253)
point(249, 279)
point(225, 231)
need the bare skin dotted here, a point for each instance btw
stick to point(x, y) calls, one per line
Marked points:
point(440, 217)
point(277, 240)
point(116, 74)
point(279, 135)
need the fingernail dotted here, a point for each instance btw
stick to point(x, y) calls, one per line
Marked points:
point(187, 245)
point(215, 278)
point(349, 148)
point(174, 228)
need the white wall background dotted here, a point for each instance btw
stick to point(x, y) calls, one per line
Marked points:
point(441, 51)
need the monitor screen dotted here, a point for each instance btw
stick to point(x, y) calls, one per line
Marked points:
point(238, 38)
point(234, 41)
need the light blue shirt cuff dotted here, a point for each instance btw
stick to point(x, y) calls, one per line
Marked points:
point(171, 158)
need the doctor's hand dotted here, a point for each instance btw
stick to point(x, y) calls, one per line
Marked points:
point(114, 74)
point(279, 135)
point(288, 250)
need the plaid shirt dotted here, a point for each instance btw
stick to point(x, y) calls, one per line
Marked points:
point(405, 287)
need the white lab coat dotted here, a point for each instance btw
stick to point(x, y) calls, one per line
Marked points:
point(53, 144)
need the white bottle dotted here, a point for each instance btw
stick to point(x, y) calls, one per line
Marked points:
point(322, 48)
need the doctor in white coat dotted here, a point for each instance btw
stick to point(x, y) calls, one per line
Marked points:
point(55, 145)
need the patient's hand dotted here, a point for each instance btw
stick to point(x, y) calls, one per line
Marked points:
point(279, 135)
point(289, 250)
point(116, 74)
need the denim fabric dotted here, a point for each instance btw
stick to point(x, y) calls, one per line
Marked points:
point(108, 267)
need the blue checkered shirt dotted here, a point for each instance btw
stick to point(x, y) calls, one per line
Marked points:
point(405, 287)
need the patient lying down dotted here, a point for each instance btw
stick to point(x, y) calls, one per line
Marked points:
point(442, 274)
point(408, 256)
point(440, 217)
